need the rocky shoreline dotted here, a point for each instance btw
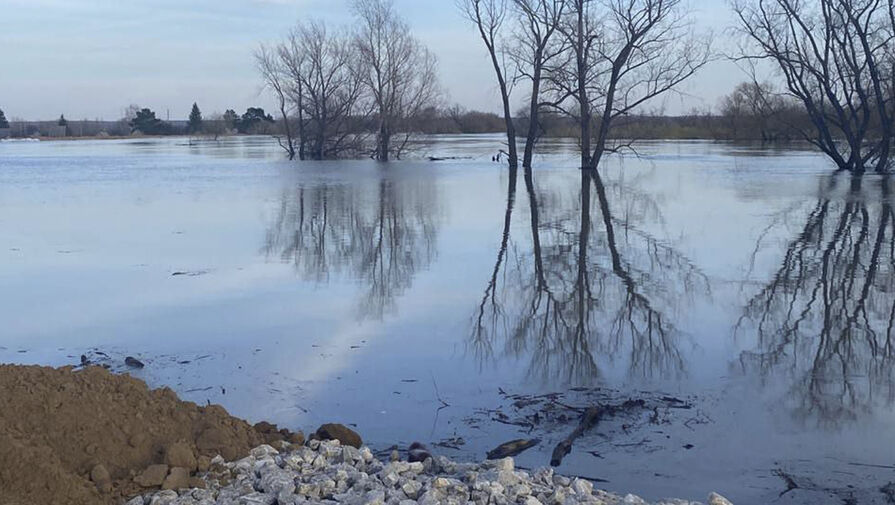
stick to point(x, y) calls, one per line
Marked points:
point(328, 472)
point(87, 436)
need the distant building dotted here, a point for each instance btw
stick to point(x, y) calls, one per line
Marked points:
point(5, 133)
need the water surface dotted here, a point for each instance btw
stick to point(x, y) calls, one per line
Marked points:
point(421, 300)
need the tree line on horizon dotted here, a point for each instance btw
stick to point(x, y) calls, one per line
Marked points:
point(740, 116)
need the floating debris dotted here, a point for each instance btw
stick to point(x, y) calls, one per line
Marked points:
point(133, 362)
point(512, 448)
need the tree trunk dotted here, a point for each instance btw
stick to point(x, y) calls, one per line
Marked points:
point(583, 99)
point(290, 147)
point(383, 143)
point(534, 107)
point(301, 123)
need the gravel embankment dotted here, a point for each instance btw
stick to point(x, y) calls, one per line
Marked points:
point(326, 472)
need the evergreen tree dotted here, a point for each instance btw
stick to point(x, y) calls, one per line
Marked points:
point(62, 121)
point(146, 122)
point(3, 122)
point(195, 124)
point(253, 117)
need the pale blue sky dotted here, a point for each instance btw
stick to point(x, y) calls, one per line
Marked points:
point(91, 58)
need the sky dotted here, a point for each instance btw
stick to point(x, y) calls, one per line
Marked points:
point(90, 59)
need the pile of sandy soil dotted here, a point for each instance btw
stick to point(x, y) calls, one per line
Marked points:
point(85, 436)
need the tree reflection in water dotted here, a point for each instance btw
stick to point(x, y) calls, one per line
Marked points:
point(589, 291)
point(380, 235)
point(824, 323)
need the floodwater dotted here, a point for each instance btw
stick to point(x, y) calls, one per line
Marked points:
point(746, 295)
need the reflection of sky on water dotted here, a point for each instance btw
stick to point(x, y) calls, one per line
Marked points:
point(349, 291)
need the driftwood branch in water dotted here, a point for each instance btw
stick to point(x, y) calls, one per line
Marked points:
point(591, 417)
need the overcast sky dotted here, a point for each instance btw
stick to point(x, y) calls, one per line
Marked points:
point(91, 58)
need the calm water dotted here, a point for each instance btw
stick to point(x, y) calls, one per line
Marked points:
point(418, 300)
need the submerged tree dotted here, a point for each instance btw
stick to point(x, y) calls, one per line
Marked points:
point(398, 72)
point(623, 54)
point(836, 59)
point(521, 39)
point(533, 49)
point(489, 17)
point(216, 125)
point(317, 71)
point(274, 72)
point(3, 122)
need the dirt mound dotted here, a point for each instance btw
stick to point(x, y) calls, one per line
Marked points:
point(59, 427)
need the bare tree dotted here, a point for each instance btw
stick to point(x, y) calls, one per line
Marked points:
point(623, 54)
point(216, 126)
point(489, 17)
point(275, 75)
point(533, 48)
point(323, 83)
point(753, 108)
point(398, 72)
point(836, 59)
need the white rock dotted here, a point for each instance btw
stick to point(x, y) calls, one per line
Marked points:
point(505, 464)
point(582, 487)
point(391, 479)
point(257, 499)
point(716, 499)
point(327, 473)
point(412, 489)
point(561, 480)
point(166, 497)
point(262, 451)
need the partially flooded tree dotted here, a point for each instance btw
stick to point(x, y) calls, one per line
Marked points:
point(835, 57)
point(533, 47)
point(623, 54)
point(216, 126)
point(398, 72)
point(489, 17)
point(320, 77)
point(272, 65)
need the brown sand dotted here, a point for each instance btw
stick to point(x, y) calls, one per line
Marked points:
point(58, 425)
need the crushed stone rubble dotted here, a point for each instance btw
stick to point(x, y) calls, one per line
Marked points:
point(327, 472)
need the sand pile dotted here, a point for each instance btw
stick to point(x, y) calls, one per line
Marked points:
point(90, 437)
